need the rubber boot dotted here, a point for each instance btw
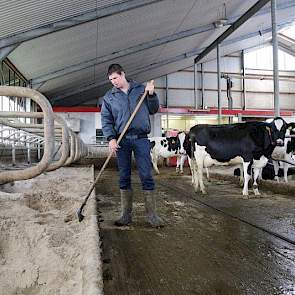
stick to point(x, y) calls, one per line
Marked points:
point(126, 204)
point(150, 208)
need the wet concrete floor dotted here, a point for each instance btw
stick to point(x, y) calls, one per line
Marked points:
point(243, 247)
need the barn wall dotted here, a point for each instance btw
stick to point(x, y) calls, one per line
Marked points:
point(259, 93)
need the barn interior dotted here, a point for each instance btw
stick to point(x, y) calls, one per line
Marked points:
point(212, 62)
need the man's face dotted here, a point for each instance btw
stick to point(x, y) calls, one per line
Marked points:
point(117, 79)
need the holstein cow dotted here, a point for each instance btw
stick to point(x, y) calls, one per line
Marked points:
point(250, 143)
point(285, 153)
point(167, 147)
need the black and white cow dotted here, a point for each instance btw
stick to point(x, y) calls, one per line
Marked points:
point(249, 144)
point(285, 153)
point(166, 147)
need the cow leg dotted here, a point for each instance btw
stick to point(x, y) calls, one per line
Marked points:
point(257, 167)
point(182, 160)
point(276, 168)
point(207, 174)
point(195, 180)
point(286, 167)
point(178, 164)
point(155, 163)
point(260, 174)
point(246, 178)
point(191, 168)
point(200, 163)
point(255, 185)
point(241, 178)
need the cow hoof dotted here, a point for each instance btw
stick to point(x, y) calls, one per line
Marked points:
point(246, 196)
point(181, 172)
point(256, 193)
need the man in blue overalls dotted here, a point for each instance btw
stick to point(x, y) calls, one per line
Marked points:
point(118, 105)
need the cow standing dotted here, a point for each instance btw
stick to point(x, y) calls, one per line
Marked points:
point(249, 144)
point(167, 147)
point(285, 153)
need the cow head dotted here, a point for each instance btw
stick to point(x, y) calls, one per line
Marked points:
point(173, 144)
point(277, 130)
point(181, 137)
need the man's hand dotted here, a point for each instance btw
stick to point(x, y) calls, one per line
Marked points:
point(113, 146)
point(150, 87)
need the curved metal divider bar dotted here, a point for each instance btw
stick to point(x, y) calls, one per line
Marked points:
point(76, 158)
point(70, 160)
point(41, 100)
point(65, 144)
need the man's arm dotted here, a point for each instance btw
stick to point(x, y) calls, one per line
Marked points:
point(107, 121)
point(152, 98)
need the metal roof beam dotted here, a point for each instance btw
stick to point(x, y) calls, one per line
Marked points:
point(4, 52)
point(143, 46)
point(248, 14)
point(73, 21)
point(165, 62)
point(286, 49)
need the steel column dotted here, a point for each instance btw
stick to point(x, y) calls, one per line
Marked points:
point(243, 80)
point(275, 58)
point(219, 83)
point(202, 86)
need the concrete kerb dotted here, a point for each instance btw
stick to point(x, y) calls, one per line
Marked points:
point(92, 275)
point(281, 188)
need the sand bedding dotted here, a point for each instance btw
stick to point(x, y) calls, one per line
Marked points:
point(43, 248)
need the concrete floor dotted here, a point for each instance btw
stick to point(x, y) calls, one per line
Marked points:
point(217, 244)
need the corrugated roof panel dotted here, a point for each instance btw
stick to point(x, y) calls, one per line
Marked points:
point(141, 25)
point(56, 51)
point(20, 16)
point(69, 81)
point(75, 45)
point(85, 77)
point(186, 45)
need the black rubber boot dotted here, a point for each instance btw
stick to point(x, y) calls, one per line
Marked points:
point(150, 208)
point(126, 203)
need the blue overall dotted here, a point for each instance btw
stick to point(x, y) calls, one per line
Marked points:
point(117, 108)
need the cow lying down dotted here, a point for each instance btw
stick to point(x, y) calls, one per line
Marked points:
point(250, 144)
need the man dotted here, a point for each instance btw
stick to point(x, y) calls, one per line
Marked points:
point(118, 105)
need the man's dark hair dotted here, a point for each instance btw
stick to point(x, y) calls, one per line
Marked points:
point(115, 68)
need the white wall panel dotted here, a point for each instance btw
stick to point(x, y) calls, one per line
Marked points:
point(87, 125)
point(181, 80)
point(212, 96)
point(180, 98)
